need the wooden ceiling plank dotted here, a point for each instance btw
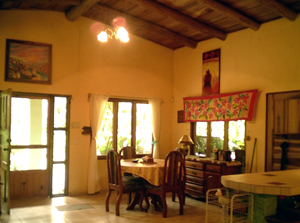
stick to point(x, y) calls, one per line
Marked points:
point(60, 2)
point(76, 11)
point(280, 9)
point(183, 18)
point(244, 20)
point(149, 26)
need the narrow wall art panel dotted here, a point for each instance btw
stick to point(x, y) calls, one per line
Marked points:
point(211, 72)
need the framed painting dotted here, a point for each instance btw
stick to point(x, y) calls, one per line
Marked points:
point(28, 62)
point(211, 72)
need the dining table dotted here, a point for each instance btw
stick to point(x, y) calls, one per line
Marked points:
point(152, 172)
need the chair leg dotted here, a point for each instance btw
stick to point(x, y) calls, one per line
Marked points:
point(119, 198)
point(181, 199)
point(141, 201)
point(147, 201)
point(164, 203)
point(173, 197)
point(107, 200)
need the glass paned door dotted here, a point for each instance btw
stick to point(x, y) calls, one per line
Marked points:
point(60, 146)
point(40, 133)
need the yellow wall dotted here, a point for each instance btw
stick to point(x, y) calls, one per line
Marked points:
point(82, 65)
point(267, 60)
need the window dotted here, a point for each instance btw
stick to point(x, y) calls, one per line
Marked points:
point(219, 134)
point(125, 123)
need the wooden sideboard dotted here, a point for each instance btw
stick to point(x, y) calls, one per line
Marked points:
point(203, 174)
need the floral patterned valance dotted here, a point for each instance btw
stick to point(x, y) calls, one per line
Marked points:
point(220, 107)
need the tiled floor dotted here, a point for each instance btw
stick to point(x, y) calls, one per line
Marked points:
point(44, 210)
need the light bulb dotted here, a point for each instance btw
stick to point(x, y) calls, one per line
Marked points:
point(102, 37)
point(122, 34)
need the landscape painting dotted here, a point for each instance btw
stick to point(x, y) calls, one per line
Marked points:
point(28, 62)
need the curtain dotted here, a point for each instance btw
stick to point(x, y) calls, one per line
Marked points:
point(97, 109)
point(156, 121)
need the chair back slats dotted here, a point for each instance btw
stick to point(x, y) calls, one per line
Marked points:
point(173, 171)
point(128, 152)
point(113, 167)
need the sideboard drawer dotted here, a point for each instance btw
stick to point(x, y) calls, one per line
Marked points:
point(196, 173)
point(194, 180)
point(213, 168)
point(194, 188)
point(194, 165)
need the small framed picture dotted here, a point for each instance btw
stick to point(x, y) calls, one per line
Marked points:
point(28, 62)
point(180, 117)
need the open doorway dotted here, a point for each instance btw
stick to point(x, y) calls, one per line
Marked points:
point(39, 145)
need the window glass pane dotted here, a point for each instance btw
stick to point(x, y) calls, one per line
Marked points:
point(58, 178)
point(143, 129)
point(236, 135)
point(104, 137)
point(217, 135)
point(29, 121)
point(59, 145)
point(124, 124)
point(201, 136)
point(28, 159)
point(60, 112)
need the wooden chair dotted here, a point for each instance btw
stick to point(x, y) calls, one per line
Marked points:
point(173, 183)
point(128, 152)
point(183, 152)
point(120, 184)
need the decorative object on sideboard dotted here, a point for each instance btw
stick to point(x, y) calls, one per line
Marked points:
point(187, 141)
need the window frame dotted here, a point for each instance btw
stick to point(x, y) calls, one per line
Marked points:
point(133, 124)
point(208, 142)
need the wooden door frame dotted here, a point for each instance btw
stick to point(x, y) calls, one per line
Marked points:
point(270, 122)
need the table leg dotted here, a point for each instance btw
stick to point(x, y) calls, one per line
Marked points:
point(134, 202)
point(156, 202)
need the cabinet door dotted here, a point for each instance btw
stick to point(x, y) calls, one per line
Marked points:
point(212, 181)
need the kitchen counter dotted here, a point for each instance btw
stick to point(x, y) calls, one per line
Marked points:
point(265, 187)
point(285, 182)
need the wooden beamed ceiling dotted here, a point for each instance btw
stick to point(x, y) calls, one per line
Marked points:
point(171, 23)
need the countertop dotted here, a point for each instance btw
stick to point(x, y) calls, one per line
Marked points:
point(285, 182)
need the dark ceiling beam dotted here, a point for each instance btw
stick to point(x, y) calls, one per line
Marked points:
point(148, 26)
point(58, 2)
point(182, 18)
point(242, 19)
point(76, 11)
point(280, 9)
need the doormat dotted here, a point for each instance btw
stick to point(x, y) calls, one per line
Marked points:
point(73, 207)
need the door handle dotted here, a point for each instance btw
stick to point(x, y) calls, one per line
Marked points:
point(6, 149)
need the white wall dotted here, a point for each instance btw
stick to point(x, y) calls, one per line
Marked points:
point(267, 60)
